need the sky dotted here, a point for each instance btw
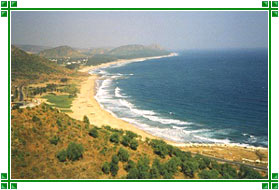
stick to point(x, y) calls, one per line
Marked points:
point(170, 29)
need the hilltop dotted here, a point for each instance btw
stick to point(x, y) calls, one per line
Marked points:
point(94, 51)
point(127, 52)
point(61, 52)
point(136, 51)
point(29, 68)
point(33, 49)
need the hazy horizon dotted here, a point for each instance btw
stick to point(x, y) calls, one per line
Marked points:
point(174, 30)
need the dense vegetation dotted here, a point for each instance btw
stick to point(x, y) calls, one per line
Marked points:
point(49, 144)
point(127, 52)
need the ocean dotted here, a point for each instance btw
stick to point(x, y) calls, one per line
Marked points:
point(198, 96)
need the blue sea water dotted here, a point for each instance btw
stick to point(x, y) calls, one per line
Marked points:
point(202, 96)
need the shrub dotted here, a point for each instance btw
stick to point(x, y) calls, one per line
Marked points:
point(63, 79)
point(35, 118)
point(172, 164)
point(131, 134)
point(62, 155)
point(228, 172)
point(209, 174)
point(106, 168)
point(159, 147)
point(74, 151)
point(154, 173)
point(126, 140)
point(114, 169)
point(114, 138)
point(115, 159)
point(143, 168)
point(123, 155)
point(59, 123)
point(131, 164)
point(189, 168)
point(86, 120)
point(248, 173)
point(93, 132)
point(54, 140)
point(133, 174)
point(134, 144)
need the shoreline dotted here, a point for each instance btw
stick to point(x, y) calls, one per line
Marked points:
point(86, 104)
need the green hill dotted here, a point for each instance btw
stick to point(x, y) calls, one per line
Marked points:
point(94, 51)
point(31, 48)
point(31, 68)
point(61, 52)
point(48, 144)
point(127, 52)
point(136, 51)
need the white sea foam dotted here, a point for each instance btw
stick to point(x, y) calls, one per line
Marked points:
point(117, 93)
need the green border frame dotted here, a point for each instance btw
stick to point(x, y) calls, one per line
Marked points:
point(269, 6)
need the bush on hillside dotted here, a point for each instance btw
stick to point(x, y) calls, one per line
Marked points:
point(131, 164)
point(114, 138)
point(54, 140)
point(126, 140)
point(209, 174)
point(93, 132)
point(114, 168)
point(134, 144)
point(159, 147)
point(106, 168)
point(123, 155)
point(86, 120)
point(74, 151)
point(62, 155)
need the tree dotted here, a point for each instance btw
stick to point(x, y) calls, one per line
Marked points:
point(106, 168)
point(93, 132)
point(228, 172)
point(133, 174)
point(54, 140)
point(248, 173)
point(189, 168)
point(123, 155)
point(62, 155)
point(209, 174)
point(74, 151)
point(172, 164)
point(114, 138)
point(126, 140)
point(134, 144)
point(154, 173)
point(159, 147)
point(115, 159)
point(131, 164)
point(86, 120)
point(131, 134)
point(143, 168)
point(114, 168)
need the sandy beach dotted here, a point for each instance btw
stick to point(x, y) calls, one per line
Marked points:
point(86, 104)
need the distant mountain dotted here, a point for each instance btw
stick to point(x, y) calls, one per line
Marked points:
point(61, 52)
point(32, 48)
point(30, 68)
point(136, 51)
point(127, 52)
point(94, 51)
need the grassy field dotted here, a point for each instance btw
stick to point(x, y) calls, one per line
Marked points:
point(60, 101)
